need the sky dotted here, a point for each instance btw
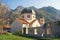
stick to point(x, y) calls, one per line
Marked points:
point(36, 3)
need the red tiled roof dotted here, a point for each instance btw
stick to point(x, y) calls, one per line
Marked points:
point(6, 26)
point(25, 22)
point(32, 22)
point(22, 21)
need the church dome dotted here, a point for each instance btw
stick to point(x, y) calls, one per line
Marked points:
point(26, 10)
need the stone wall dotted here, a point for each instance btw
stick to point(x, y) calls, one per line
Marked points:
point(37, 32)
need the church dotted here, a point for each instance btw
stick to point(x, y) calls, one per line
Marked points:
point(27, 23)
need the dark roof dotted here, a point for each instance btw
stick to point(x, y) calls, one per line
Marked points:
point(26, 10)
point(41, 17)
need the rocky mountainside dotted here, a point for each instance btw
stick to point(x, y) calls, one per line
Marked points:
point(49, 13)
point(4, 10)
point(52, 11)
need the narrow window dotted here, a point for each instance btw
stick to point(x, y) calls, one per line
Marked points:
point(23, 16)
point(28, 16)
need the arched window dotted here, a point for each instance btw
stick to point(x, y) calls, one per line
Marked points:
point(22, 16)
point(28, 16)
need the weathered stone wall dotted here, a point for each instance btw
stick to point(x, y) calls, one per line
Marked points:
point(39, 31)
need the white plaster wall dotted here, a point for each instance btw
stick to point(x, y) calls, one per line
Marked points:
point(25, 25)
point(36, 24)
point(28, 19)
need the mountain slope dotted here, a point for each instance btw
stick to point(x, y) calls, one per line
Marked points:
point(49, 13)
point(52, 11)
point(4, 10)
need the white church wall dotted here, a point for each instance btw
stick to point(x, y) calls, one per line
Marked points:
point(36, 24)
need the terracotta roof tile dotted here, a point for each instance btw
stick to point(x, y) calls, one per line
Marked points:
point(22, 21)
point(6, 26)
point(25, 22)
point(32, 22)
